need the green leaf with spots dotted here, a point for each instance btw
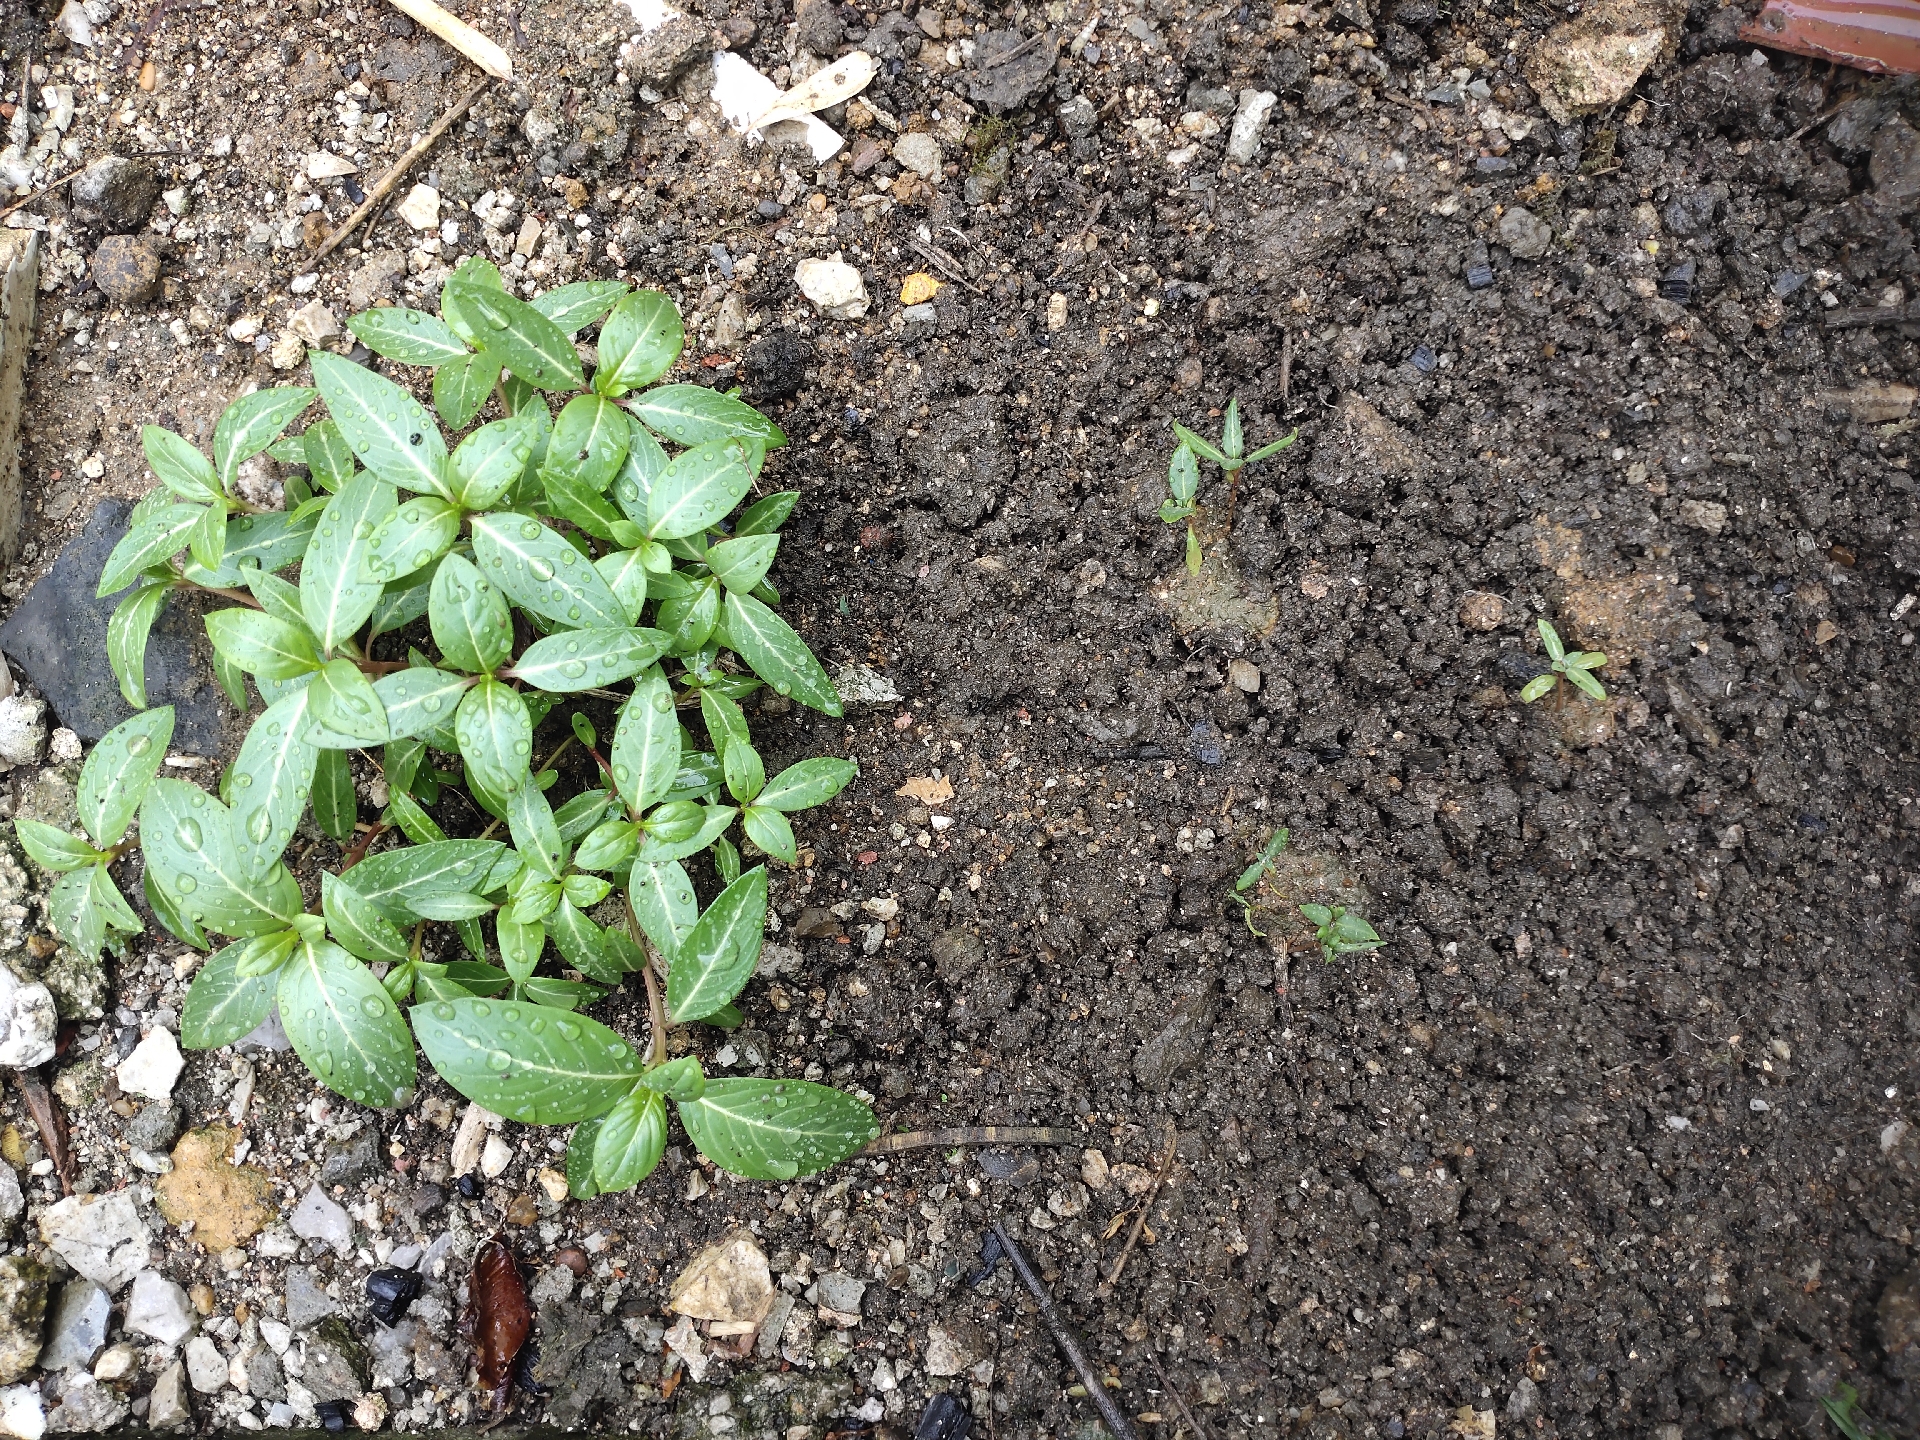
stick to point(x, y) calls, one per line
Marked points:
point(345, 1026)
point(530, 1063)
point(583, 943)
point(719, 953)
point(272, 777)
point(357, 925)
point(120, 771)
point(461, 387)
point(809, 783)
point(664, 903)
point(413, 337)
point(128, 629)
point(743, 562)
point(646, 462)
point(181, 468)
point(496, 736)
point(576, 306)
point(335, 805)
point(252, 423)
point(188, 836)
point(632, 1138)
point(574, 500)
point(574, 660)
point(626, 575)
point(771, 831)
point(52, 848)
point(222, 1006)
point(639, 343)
point(419, 532)
point(589, 441)
point(272, 541)
point(580, 1182)
point(491, 459)
point(646, 744)
point(776, 1129)
point(395, 881)
point(699, 489)
point(778, 655)
point(693, 415)
point(539, 569)
point(535, 834)
point(388, 430)
point(343, 700)
point(151, 539)
point(680, 1079)
point(329, 456)
point(419, 700)
point(333, 596)
point(527, 342)
point(714, 820)
point(469, 617)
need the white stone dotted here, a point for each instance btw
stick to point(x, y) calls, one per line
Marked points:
point(29, 1024)
point(318, 1218)
point(77, 1329)
point(12, 1200)
point(103, 1237)
point(920, 153)
point(1243, 142)
point(277, 1334)
point(472, 1134)
point(206, 1366)
point(167, 1405)
point(496, 1157)
point(22, 1414)
point(245, 329)
point(73, 23)
point(116, 1363)
point(65, 745)
point(421, 208)
point(158, 1309)
point(154, 1067)
point(288, 351)
point(742, 94)
point(325, 165)
point(23, 730)
point(87, 1405)
point(314, 323)
point(1056, 311)
point(834, 286)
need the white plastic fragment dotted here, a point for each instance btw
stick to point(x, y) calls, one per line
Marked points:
point(743, 95)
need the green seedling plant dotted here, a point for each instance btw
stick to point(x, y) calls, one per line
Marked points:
point(546, 556)
point(1840, 1409)
point(1340, 932)
point(1183, 473)
point(1576, 665)
point(1251, 877)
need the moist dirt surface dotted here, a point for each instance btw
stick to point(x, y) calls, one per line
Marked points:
point(1610, 1137)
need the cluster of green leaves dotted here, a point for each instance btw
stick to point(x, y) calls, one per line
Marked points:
point(547, 555)
point(1339, 931)
point(1183, 472)
point(1576, 665)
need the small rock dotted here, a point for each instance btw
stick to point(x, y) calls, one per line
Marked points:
point(336, 1364)
point(351, 1159)
point(315, 324)
point(1093, 1169)
point(377, 280)
point(428, 1200)
point(158, 1309)
point(23, 1309)
point(1593, 61)
point(265, 1379)
point(116, 1363)
point(1067, 1201)
point(551, 1285)
point(421, 208)
point(206, 1366)
point(989, 177)
point(1873, 402)
point(307, 1303)
point(23, 1415)
point(495, 1157)
point(1057, 311)
point(1243, 141)
point(77, 1331)
point(101, 1236)
point(554, 1183)
point(955, 1347)
point(957, 954)
point(167, 1403)
point(225, 1204)
point(155, 1128)
point(1707, 515)
point(318, 1218)
point(23, 730)
point(1480, 610)
point(370, 1412)
point(1178, 1045)
point(153, 1067)
point(1525, 234)
point(288, 351)
point(1245, 676)
point(1895, 165)
point(775, 366)
point(1009, 68)
point(834, 286)
point(1079, 117)
point(470, 1137)
point(115, 193)
point(840, 1292)
point(12, 1200)
point(727, 1281)
point(64, 746)
point(920, 153)
point(86, 1407)
point(1327, 92)
point(126, 268)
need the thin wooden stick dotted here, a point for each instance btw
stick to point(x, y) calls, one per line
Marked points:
point(384, 186)
point(460, 35)
point(973, 1135)
point(42, 192)
point(1111, 1415)
point(1140, 1220)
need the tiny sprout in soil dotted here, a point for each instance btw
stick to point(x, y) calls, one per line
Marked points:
point(1252, 876)
point(1183, 473)
point(1840, 1409)
point(1577, 665)
point(1340, 933)
point(545, 556)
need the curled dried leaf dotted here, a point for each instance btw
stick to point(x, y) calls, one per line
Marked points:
point(500, 1319)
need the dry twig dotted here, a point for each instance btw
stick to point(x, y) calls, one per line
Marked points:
point(384, 186)
point(1140, 1220)
point(482, 51)
point(1166, 1384)
point(1111, 1415)
point(973, 1135)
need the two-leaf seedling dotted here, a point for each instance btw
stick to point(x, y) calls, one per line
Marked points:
point(1338, 932)
point(1183, 473)
point(545, 556)
point(1576, 665)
